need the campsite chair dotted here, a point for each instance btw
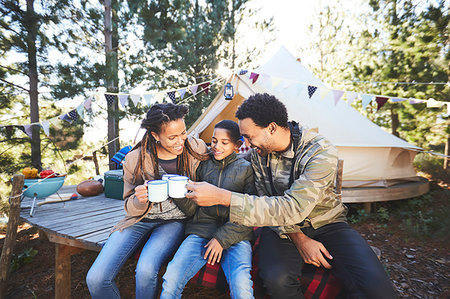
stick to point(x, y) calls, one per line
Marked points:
point(119, 157)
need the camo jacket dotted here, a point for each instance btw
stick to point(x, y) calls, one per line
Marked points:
point(311, 200)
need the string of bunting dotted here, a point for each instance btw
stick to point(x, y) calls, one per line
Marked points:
point(351, 96)
point(171, 95)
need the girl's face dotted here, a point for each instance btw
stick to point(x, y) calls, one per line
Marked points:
point(171, 139)
point(221, 144)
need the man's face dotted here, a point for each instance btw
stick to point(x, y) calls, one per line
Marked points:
point(259, 138)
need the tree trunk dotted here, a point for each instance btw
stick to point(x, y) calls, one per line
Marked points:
point(32, 28)
point(233, 57)
point(394, 122)
point(111, 44)
point(447, 153)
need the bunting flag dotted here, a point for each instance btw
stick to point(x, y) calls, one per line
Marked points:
point(80, 110)
point(300, 88)
point(73, 114)
point(148, 99)
point(415, 101)
point(181, 92)
point(88, 103)
point(337, 95)
point(159, 96)
point(243, 72)
point(123, 99)
point(311, 90)
point(28, 130)
point(46, 126)
point(205, 87)
point(380, 102)
point(171, 95)
point(110, 99)
point(135, 98)
point(432, 103)
point(351, 96)
point(66, 118)
point(324, 92)
point(275, 82)
point(254, 77)
point(366, 99)
point(193, 89)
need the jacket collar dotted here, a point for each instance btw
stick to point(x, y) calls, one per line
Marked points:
point(228, 160)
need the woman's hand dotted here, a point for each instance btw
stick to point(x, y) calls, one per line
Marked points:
point(214, 250)
point(141, 193)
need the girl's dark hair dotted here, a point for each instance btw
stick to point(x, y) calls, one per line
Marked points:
point(158, 115)
point(232, 127)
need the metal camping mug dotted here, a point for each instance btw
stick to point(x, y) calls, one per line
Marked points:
point(157, 190)
point(177, 186)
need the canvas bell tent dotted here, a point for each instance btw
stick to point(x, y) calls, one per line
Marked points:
point(372, 157)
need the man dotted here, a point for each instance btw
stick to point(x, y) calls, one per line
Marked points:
point(303, 219)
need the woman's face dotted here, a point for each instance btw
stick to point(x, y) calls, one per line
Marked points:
point(221, 144)
point(171, 139)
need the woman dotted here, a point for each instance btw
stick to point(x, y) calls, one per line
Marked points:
point(164, 149)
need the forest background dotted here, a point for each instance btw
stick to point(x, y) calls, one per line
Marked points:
point(51, 51)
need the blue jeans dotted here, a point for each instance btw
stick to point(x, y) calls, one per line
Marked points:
point(236, 264)
point(163, 239)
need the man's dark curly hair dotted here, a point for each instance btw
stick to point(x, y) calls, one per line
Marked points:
point(263, 109)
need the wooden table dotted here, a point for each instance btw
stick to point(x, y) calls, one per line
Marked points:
point(76, 225)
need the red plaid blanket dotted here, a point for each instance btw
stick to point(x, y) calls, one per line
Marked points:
point(316, 282)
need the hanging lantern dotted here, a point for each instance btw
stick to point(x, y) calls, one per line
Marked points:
point(228, 92)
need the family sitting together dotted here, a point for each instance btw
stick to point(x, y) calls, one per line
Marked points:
point(287, 188)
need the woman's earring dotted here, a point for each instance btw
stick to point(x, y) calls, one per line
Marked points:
point(157, 141)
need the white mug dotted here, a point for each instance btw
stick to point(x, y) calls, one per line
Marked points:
point(177, 186)
point(157, 190)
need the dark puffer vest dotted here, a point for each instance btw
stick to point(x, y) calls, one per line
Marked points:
point(234, 174)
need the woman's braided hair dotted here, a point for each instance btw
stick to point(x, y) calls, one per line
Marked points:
point(158, 115)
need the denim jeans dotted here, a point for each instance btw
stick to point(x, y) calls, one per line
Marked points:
point(354, 263)
point(163, 239)
point(236, 264)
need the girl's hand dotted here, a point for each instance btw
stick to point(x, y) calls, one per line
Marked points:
point(214, 250)
point(141, 193)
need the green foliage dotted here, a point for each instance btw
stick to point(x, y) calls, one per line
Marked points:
point(358, 217)
point(25, 257)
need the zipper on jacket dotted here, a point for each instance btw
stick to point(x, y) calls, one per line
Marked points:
point(219, 182)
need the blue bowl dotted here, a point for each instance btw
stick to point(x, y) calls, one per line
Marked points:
point(43, 188)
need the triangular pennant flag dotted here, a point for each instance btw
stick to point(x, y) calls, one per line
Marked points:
point(171, 95)
point(324, 92)
point(46, 126)
point(136, 98)
point(80, 110)
point(381, 101)
point(88, 103)
point(432, 103)
point(193, 89)
point(123, 100)
point(54, 121)
point(311, 90)
point(394, 100)
point(148, 98)
point(275, 82)
point(351, 97)
point(28, 130)
point(415, 101)
point(159, 96)
point(254, 77)
point(366, 99)
point(181, 92)
point(337, 95)
point(243, 72)
point(205, 87)
point(110, 99)
point(300, 88)
point(73, 114)
point(67, 118)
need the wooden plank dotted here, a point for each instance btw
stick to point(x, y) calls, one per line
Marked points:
point(11, 232)
point(85, 224)
point(63, 270)
point(375, 194)
point(73, 243)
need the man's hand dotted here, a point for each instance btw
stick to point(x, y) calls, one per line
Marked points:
point(312, 251)
point(205, 194)
point(214, 250)
point(141, 193)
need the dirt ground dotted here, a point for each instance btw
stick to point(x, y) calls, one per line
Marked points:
point(419, 268)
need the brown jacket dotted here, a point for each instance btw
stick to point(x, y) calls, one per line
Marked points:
point(134, 209)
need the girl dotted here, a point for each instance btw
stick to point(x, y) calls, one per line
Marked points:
point(211, 235)
point(165, 148)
